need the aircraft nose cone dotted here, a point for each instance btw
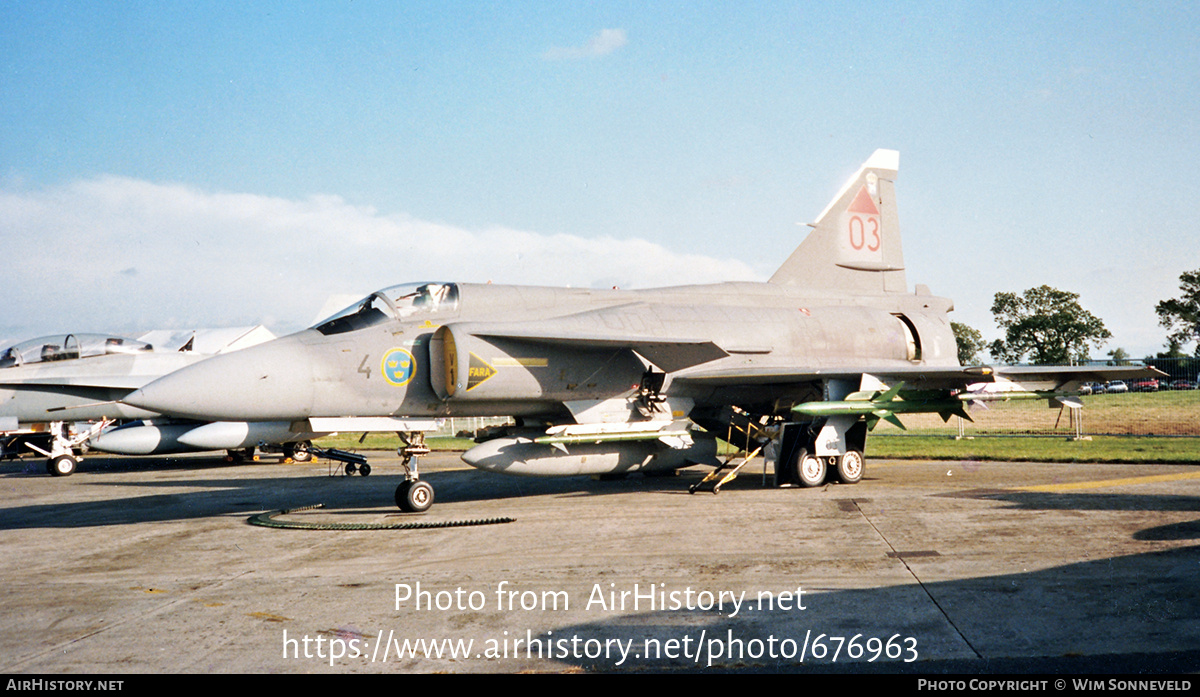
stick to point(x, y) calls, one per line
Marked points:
point(271, 381)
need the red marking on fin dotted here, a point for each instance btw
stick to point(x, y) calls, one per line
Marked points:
point(863, 203)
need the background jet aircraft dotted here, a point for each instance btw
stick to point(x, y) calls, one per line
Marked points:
point(64, 380)
point(609, 381)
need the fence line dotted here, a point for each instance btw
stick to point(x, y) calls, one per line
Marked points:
point(1152, 409)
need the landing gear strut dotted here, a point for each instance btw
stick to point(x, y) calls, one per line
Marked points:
point(61, 460)
point(413, 495)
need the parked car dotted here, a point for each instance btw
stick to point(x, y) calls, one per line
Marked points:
point(1116, 387)
point(1146, 385)
point(1183, 385)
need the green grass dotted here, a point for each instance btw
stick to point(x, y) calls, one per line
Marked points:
point(1038, 449)
point(1142, 413)
point(1029, 431)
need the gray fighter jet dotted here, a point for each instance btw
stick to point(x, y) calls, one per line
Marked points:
point(58, 395)
point(612, 381)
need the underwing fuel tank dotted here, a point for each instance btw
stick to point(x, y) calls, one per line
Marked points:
point(143, 439)
point(224, 435)
point(523, 456)
point(166, 439)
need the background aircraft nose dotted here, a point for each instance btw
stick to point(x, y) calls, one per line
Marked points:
point(272, 381)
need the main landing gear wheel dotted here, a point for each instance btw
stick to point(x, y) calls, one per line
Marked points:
point(810, 469)
point(414, 496)
point(300, 452)
point(850, 467)
point(61, 466)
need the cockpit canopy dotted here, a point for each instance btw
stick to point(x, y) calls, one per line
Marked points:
point(402, 303)
point(63, 348)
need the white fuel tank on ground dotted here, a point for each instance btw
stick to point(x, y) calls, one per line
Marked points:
point(522, 456)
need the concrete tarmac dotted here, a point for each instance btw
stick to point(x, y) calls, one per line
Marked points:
point(149, 565)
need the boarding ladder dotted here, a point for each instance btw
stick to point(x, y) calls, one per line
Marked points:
point(740, 425)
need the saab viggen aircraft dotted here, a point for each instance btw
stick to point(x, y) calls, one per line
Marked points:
point(616, 381)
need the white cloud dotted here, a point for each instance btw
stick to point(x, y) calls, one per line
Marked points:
point(602, 44)
point(121, 255)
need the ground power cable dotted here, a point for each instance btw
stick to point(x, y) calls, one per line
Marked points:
point(268, 520)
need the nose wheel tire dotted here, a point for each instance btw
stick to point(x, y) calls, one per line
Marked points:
point(61, 466)
point(810, 469)
point(414, 496)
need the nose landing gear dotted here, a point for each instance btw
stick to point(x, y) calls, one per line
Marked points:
point(413, 495)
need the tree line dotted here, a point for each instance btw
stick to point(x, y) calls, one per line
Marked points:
point(1048, 326)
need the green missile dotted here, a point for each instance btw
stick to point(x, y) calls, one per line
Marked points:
point(885, 405)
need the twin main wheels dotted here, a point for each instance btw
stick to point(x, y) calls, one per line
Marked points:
point(812, 470)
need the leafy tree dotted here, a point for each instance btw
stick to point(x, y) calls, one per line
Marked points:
point(970, 343)
point(1118, 356)
point(1174, 362)
point(1182, 315)
point(1047, 325)
point(1174, 350)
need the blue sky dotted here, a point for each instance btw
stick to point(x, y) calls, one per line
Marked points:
point(205, 164)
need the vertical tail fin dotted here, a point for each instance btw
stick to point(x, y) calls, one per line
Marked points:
point(855, 244)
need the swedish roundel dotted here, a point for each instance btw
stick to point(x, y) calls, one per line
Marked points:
point(398, 367)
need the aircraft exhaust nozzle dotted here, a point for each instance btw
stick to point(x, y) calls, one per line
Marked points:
point(524, 457)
